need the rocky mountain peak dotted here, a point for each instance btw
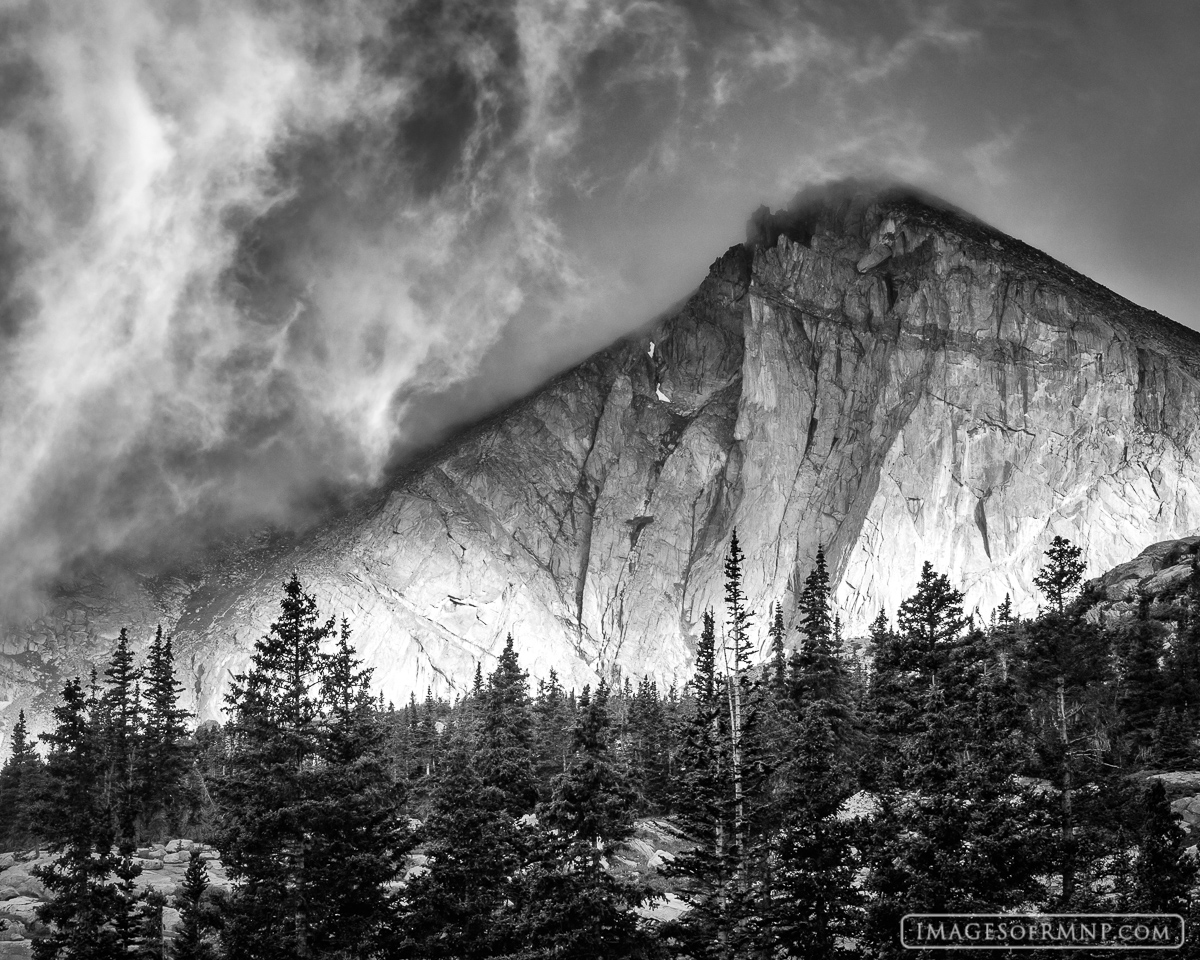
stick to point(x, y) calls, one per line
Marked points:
point(873, 371)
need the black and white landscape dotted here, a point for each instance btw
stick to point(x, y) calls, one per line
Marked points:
point(593, 479)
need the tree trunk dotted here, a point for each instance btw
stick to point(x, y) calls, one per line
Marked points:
point(1067, 826)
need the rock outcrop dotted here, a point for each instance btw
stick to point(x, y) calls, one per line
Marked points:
point(871, 370)
point(162, 869)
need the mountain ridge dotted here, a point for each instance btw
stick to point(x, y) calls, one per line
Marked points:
point(867, 371)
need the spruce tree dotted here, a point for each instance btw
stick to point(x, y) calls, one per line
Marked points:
point(91, 916)
point(22, 780)
point(163, 759)
point(702, 803)
point(1174, 746)
point(1164, 872)
point(819, 678)
point(506, 758)
point(552, 729)
point(359, 835)
point(1141, 682)
point(1062, 574)
point(569, 903)
point(930, 621)
point(122, 716)
point(778, 652)
point(199, 921)
point(1066, 676)
point(265, 797)
point(475, 851)
point(809, 905)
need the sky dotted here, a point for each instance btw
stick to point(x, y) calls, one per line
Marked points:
point(254, 253)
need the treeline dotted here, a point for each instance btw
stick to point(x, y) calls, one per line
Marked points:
point(962, 767)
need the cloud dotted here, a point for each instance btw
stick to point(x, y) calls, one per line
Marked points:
point(250, 249)
point(242, 239)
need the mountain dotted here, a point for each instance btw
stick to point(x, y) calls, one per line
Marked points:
point(871, 370)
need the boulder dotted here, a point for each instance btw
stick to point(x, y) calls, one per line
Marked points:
point(171, 919)
point(32, 887)
point(21, 909)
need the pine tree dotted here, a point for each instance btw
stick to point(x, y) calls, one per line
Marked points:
point(91, 916)
point(702, 811)
point(122, 715)
point(1066, 676)
point(1062, 574)
point(22, 780)
point(819, 677)
point(506, 759)
point(199, 921)
point(1139, 649)
point(778, 653)
point(1164, 872)
point(270, 800)
point(1174, 740)
point(552, 729)
point(930, 621)
point(809, 905)
point(475, 851)
point(163, 760)
point(742, 719)
point(964, 835)
point(569, 904)
point(359, 836)
point(647, 744)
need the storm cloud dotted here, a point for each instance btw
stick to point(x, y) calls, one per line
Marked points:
point(254, 251)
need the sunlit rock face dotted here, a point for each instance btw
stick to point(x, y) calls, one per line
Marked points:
point(871, 371)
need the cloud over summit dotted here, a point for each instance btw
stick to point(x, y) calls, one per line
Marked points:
point(249, 249)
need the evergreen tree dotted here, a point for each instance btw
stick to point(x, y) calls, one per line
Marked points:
point(1164, 872)
point(570, 904)
point(22, 780)
point(702, 805)
point(819, 676)
point(506, 758)
point(1141, 682)
point(647, 744)
point(964, 835)
point(1062, 574)
point(552, 729)
point(816, 620)
point(163, 760)
point(1174, 740)
point(309, 813)
point(122, 721)
point(199, 921)
point(359, 835)
point(808, 905)
point(1066, 675)
point(91, 916)
point(930, 621)
point(904, 669)
point(475, 851)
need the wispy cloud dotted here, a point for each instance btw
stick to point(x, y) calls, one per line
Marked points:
point(243, 243)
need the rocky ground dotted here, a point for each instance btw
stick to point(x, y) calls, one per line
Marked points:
point(163, 867)
point(653, 844)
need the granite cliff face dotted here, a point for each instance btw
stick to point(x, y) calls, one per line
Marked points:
point(871, 370)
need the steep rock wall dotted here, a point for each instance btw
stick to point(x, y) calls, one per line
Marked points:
point(871, 371)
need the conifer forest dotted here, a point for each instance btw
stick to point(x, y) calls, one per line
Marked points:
point(816, 795)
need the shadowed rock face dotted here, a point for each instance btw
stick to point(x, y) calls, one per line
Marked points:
point(872, 370)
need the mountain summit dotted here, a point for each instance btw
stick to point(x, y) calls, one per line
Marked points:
point(872, 370)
